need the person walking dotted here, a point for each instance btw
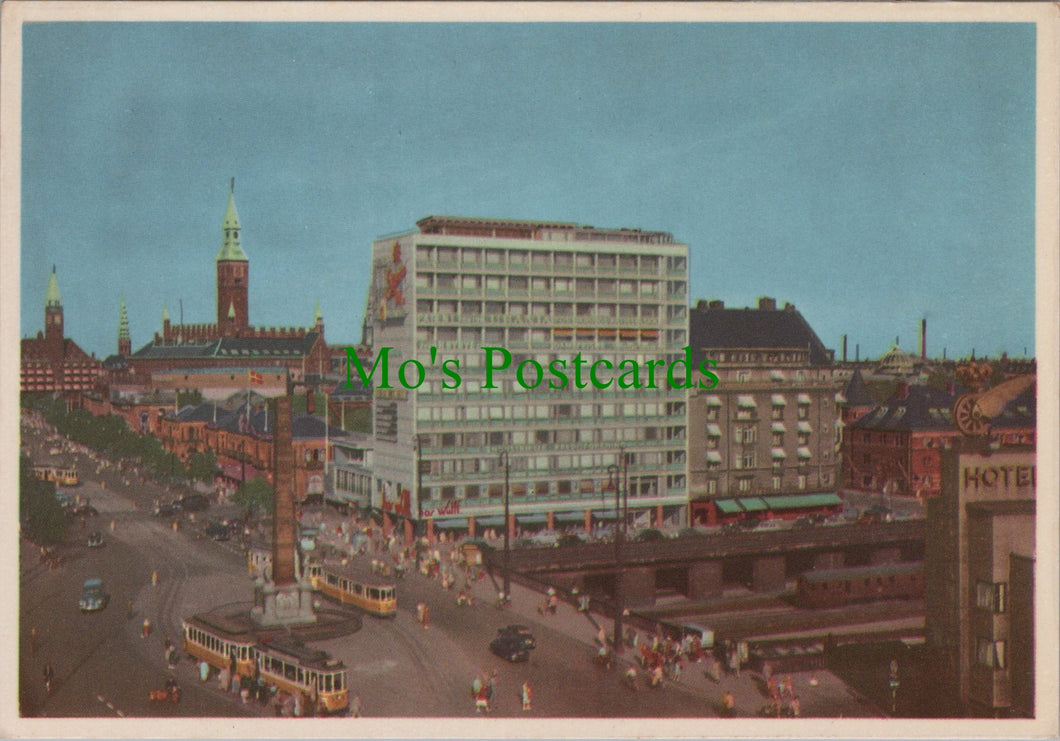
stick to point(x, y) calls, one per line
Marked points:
point(525, 695)
point(154, 578)
point(145, 629)
point(728, 704)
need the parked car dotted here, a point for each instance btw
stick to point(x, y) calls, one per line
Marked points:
point(95, 539)
point(83, 510)
point(93, 596)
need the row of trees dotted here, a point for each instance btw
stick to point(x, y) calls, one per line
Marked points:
point(42, 517)
point(111, 436)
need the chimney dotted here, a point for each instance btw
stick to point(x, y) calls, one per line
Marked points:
point(843, 342)
point(702, 305)
point(789, 307)
point(765, 303)
point(923, 339)
point(716, 304)
point(857, 353)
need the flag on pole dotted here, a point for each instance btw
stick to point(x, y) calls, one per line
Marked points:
point(256, 378)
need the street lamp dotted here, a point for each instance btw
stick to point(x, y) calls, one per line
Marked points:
point(616, 472)
point(504, 461)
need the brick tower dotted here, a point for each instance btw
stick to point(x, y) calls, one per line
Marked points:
point(233, 276)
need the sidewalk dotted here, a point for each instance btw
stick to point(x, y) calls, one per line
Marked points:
point(821, 694)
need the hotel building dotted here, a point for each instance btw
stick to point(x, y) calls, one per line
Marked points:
point(544, 292)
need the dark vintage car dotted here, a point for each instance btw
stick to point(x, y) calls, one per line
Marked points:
point(95, 539)
point(167, 509)
point(513, 643)
point(193, 503)
point(217, 530)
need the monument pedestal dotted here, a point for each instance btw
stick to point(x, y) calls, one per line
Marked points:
point(289, 604)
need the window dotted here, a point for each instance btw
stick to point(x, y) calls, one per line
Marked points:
point(991, 596)
point(778, 412)
point(990, 653)
point(712, 487)
point(742, 376)
point(776, 483)
point(712, 413)
point(745, 434)
point(804, 411)
point(744, 485)
point(748, 460)
point(802, 481)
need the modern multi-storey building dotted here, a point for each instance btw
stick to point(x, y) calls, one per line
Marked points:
point(979, 583)
point(763, 442)
point(546, 293)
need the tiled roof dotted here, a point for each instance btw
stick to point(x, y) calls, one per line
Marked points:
point(753, 328)
point(922, 408)
point(233, 348)
point(857, 393)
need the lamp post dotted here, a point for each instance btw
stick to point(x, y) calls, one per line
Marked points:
point(504, 460)
point(616, 472)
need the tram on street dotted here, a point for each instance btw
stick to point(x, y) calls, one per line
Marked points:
point(349, 589)
point(286, 665)
point(295, 668)
point(61, 475)
point(216, 640)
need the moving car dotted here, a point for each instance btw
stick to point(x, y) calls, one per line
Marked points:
point(217, 530)
point(167, 509)
point(93, 597)
point(95, 540)
point(513, 643)
point(193, 503)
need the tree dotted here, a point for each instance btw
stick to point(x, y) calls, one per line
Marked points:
point(255, 495)
point(202, 466)
point(43, 519)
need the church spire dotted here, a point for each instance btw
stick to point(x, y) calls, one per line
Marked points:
point(124, 340)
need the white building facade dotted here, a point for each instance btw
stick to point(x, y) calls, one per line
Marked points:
point(547, 293)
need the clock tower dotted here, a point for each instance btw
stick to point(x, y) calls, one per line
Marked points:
point(233, 276)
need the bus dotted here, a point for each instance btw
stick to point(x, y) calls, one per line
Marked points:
point(298, 669)
point(61, 475)
point(345, 587)
point(216, 641)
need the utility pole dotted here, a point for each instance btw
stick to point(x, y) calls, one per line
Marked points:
point(617, 472)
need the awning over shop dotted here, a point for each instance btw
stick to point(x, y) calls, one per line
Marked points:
point(532, 519)
point(805, 427)
point(752, 504)
point(451, 523)
point(778, 400)
point(805, 453)
point(603, 514)
point(713, 401)
point(779, 427)
point(776, 375)
point(489, 521)
point(713, 456)
point(803, 501)
point(745, 402)
point(779, 454)
point(568, 517)
point(713, 430)
point(727, 506)
point(804, 398)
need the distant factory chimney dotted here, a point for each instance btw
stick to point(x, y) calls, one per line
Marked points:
point(923, 338)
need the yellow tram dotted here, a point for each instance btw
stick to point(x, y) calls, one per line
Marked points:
point(349, 589)
point(61, 475)
point(216, 640)
point(298, 669)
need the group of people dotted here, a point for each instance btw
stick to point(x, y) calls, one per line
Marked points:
point(484, 690)
point(782, 698)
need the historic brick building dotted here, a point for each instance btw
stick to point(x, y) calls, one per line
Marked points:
point(51, 362)
point(230, 342)
point(769, 429)
point(896, 449)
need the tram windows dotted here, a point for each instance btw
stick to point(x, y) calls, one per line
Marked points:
point(290, 672)
point(358, 589)
point(326, 682)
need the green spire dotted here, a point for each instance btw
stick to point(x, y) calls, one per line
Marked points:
point(165, 314)
point(230, 249)
point(317, 315)
point(123, 322)
point(231, 311)
point(51, 296)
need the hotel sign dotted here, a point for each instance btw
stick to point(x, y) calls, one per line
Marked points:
point(990, 476)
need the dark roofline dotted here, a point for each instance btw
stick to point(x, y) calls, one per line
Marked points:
point(995, 508)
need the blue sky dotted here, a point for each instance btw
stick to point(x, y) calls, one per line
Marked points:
point(871, 174)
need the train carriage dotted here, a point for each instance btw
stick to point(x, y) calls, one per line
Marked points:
point(838, 587)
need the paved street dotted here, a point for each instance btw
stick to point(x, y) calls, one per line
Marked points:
point(396, 666)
